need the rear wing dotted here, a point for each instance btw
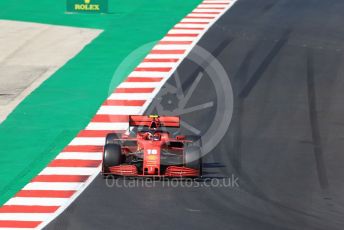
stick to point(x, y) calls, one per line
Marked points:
point(154, 121)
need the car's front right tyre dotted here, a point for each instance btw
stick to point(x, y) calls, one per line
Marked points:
point(193, 157)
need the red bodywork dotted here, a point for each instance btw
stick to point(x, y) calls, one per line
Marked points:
point(150, 145)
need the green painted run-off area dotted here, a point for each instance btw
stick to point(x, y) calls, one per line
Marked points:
point(49, 118)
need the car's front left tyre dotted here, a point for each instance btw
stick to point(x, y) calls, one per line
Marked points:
point(112, 156)
point(111, 138)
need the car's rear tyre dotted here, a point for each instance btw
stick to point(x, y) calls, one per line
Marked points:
point(110, 138)
point(112, 156)
point(193, 157)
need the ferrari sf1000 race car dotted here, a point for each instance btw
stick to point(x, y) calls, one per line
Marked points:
point(150, 150)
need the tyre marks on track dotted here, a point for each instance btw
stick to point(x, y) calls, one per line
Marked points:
point(66, 177)
point(314, 123)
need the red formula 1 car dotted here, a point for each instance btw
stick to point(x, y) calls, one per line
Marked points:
point(150, 150)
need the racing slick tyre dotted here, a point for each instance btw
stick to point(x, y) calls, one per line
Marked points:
point(193, 158)
point(112, 156)
point(110, 138)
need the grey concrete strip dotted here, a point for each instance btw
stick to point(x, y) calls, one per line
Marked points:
point(30, 53)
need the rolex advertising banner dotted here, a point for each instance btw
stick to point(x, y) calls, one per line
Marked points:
point(87, 6)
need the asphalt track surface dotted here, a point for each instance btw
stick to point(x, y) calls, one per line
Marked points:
point(285, 62)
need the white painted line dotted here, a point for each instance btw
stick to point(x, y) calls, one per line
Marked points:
point(69, 171)
point(97, 141)
point(201, 15)
point(184, 31)
point(107, 126)
point(131, 96)
point(24, 216)
point(139, 85)
point(119, 110)
point(190, 25)
point(196, 20)
point(197, 10)
point(37, 201)
point(173, 47)
point(148, 73)
point(53, 186)
point(170, 56)
point(81, 155)
point(156, 64)
point(177, 39)
point(212, 5)
point(15, 228)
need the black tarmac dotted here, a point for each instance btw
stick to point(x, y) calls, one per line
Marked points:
point(280, 164)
